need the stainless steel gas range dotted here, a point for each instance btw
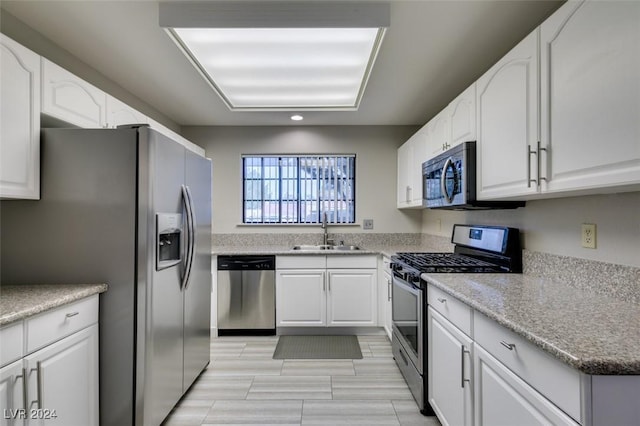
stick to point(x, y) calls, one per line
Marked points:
point(478, 249)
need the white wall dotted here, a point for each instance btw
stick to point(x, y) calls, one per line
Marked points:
point(554, 226)
point(375, 148)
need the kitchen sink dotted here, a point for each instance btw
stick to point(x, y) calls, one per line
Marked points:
point(313, 247)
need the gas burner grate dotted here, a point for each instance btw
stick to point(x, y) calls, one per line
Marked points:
point(444, 262)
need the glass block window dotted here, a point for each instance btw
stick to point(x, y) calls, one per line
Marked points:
point(298, 189)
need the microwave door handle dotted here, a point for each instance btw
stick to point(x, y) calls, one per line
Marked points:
point(443, 186)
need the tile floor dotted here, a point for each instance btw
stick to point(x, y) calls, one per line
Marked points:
point(244, 385)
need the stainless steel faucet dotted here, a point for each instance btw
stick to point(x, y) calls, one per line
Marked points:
point(324, 226)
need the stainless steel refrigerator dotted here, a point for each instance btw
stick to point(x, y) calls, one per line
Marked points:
point(131, 208)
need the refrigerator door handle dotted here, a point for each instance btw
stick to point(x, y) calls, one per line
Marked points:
point(188, 206)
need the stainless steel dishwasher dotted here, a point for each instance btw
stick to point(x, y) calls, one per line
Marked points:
point(246, 295)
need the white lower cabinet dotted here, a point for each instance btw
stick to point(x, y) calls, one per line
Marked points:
point(450, 376)
point(312, 293)
point(58, 383)
point(502, 398)
point(351, 297)
point(12, 396)
point(384, 295)
point(63, 381)
point(301, 298)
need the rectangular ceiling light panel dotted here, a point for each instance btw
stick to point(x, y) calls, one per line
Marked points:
point(258, 68)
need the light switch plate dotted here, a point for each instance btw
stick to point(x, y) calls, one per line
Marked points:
point(367, 224)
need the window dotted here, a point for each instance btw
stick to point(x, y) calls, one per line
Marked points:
point(298, 189)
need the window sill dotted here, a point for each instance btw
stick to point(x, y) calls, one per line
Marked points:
point(303, 225)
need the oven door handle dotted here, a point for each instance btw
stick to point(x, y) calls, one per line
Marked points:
point(406, 286)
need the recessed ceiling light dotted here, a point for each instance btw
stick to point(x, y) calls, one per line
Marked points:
point(297, 117)
point(280, 56)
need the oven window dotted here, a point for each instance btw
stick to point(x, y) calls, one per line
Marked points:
point(405, 315)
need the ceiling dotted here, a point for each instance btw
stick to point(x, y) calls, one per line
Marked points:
point(431, 52)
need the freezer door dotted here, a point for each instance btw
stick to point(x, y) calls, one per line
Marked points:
point(197, 292)
point(160, 314)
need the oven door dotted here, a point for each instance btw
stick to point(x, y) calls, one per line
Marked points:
point(407, 316)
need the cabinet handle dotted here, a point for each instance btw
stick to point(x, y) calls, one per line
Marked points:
point(539, 155)
point(408, 194)
point(38, 371)
point(25, 394)
point(72, 314)
point(441, 299)
point(462, 379)
point(529, 153)
point(388, 290)
point(510, 346)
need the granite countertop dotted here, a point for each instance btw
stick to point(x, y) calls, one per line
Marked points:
point(287, 250)
point(593, 333)
point(22, 301)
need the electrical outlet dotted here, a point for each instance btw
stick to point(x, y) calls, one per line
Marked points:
point(367, 224)
point(589, 235)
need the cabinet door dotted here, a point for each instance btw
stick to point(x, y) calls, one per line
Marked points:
point(404, 186)
point(351, 297)
point(63, 379)
point(418, 156)
point(119, 113)
point(440, 132)
point(19, 121)
point(507, 106)
point(71, 99)
point(463, 116)
point(590, 76)
point(450, 385)
point(13, 401)
point(301, 298)
point(502, 398)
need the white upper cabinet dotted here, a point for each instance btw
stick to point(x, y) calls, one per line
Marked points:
point(439, 132)
point(19, 121)
point(463, 116)
point(119, 113)
point(590, 95)
point(71, 99)
point(411, 155)
point(507, 108)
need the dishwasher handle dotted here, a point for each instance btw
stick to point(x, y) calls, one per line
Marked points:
point(246, 263)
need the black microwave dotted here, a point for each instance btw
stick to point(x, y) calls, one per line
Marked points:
point(449, 182)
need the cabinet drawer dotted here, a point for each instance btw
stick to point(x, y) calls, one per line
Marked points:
point(301, 262)
point(556, 381)
point(352, 261)
point(60, 322)
point(12, 339)
point(451, 308)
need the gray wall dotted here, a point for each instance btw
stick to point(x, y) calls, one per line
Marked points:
point(554, 226)
point(375, 148)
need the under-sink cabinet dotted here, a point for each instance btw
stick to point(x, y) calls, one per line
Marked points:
point(49, 374)
point(326, 291)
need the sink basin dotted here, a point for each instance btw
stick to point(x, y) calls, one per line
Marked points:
point(313, 247)
point(345, 248)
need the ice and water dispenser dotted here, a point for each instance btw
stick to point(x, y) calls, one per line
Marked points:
point(168, 240)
